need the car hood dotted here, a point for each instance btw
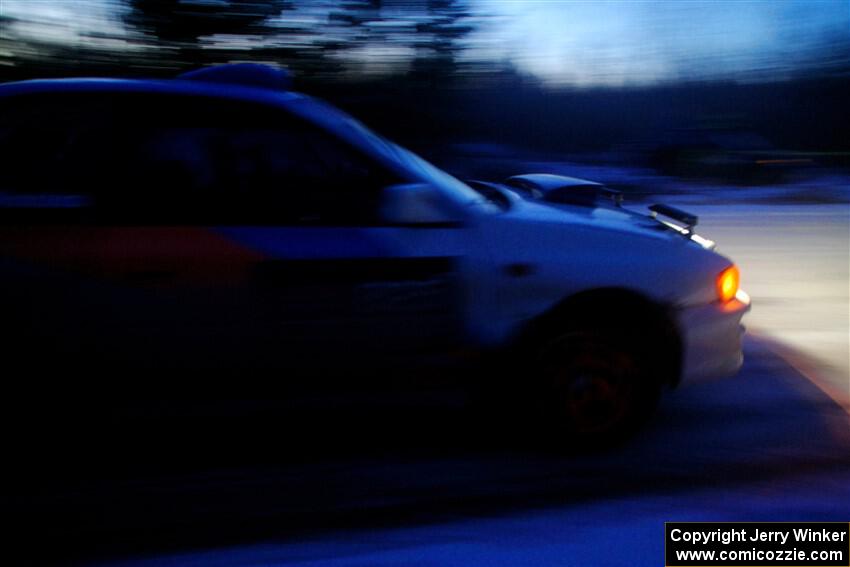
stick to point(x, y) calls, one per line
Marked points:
point(626, 220)
point(578, 248)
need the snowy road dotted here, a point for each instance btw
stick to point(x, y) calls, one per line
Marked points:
point(795, 264)
point(772, 444)
point(768, 445)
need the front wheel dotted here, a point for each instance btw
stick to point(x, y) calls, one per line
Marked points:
point(594, 387)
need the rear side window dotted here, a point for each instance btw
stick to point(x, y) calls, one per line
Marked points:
point(174, 159)
point(34, 141)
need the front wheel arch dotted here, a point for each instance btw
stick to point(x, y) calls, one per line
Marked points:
point(630, 314)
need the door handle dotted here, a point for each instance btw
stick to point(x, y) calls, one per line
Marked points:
point(147, 276)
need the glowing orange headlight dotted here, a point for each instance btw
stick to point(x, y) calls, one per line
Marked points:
point(727, 283)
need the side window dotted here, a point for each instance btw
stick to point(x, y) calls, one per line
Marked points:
point(298, 174)
point(129, 158)
point(209, 161)
point(150, 173)
point(34, 142)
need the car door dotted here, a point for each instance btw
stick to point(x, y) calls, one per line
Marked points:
point(41, 240)
point(105, 256)
point(213, 234)
point(337, 288)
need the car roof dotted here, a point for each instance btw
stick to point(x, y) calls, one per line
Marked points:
point(244, 82)
point(163, 86)
point(248, 82)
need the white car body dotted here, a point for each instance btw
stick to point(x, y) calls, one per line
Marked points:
point(511, 264)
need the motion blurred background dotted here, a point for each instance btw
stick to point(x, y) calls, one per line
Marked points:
point(745, 91)
point(736, 110)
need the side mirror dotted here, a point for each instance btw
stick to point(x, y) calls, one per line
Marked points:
point(413, 203)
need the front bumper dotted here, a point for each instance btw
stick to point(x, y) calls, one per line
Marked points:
point(711, 336)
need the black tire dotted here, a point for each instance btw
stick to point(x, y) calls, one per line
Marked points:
point(593, 386)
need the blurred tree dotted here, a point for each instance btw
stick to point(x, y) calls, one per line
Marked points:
point(185, 21)
point(319, 38)
point(431, 30)
point(436, 60)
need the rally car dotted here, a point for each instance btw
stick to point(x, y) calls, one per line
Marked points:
point(220, 220)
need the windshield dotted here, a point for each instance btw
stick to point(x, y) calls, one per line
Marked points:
point(401, 159)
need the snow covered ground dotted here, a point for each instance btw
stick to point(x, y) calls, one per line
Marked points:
point(766, 446)
point(795, 264)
